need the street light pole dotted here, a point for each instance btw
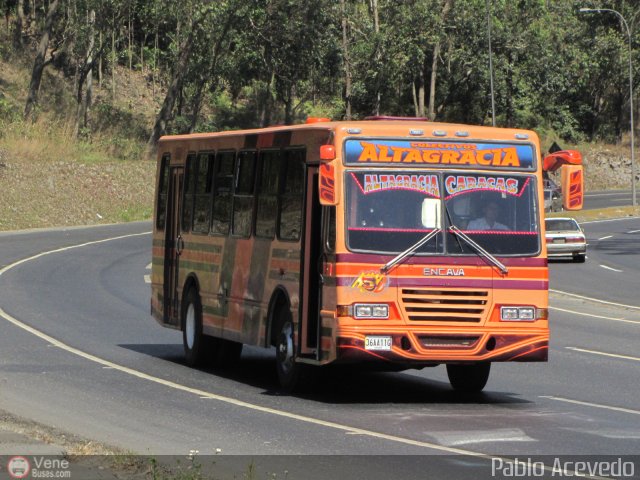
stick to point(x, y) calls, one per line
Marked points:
point(633, 158)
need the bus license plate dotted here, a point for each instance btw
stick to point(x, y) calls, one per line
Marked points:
point(377, 343)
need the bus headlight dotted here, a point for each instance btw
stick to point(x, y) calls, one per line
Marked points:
point(371, 310)
point(517, 314)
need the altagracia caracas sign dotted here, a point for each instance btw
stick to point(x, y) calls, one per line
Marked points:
point(479, 155)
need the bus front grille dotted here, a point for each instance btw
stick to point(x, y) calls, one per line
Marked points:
point(434, 305)
point(448, 341)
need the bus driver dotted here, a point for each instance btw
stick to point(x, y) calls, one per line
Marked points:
point(489, 221)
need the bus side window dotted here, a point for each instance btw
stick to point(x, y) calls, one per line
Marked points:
point(290, 214)
point(191, 172)
point(163, 189)
point(222, 185)
point(202, 207)
point(268, 189)
point(243, 194)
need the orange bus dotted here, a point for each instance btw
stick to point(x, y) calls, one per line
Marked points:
point(397, 243)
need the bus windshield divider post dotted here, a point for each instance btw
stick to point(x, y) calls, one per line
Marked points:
point(394, 261)
point(456, 231)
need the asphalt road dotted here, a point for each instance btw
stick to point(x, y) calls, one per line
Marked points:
point(81, 352)
point(608, 198)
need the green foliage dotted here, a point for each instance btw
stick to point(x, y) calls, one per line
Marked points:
point(253, 63)
point(9, 112)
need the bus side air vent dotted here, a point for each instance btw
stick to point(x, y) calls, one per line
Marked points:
point(432, 305)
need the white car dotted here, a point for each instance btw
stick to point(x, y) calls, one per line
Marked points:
point(565, 237)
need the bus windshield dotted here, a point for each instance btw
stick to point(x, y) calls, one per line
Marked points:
point(390, 211)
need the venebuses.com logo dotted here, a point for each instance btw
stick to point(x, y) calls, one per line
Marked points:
point(38, 467)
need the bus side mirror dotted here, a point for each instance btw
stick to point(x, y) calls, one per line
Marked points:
point(572, 180)
point(327, 186)
point(431, 208)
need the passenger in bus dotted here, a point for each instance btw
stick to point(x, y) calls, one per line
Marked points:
point(490, 219)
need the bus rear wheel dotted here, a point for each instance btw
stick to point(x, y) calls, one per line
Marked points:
point(289, 372)
point(197, 346)
point(469, 378)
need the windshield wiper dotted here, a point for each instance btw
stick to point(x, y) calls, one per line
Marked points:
point(401, 256)
point(459, 233)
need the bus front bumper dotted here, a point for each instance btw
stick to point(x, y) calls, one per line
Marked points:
point(428, 348)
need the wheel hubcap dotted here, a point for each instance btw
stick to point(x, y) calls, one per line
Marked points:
point(285, 347)
point(190, 326)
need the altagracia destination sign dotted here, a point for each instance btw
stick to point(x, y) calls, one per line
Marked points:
point(479, 155)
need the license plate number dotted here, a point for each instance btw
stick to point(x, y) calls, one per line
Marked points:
point(558, 240)
point(377, 343)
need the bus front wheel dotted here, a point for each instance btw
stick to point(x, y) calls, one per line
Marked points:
point(469, 378)
point(289, 371)
point(196, 351)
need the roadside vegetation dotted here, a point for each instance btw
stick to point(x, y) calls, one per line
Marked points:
point(87, 87)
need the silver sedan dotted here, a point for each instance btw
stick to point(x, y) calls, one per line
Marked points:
point(565, 237)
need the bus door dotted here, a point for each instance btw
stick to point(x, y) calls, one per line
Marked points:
point(312, 254)
point(173, 246)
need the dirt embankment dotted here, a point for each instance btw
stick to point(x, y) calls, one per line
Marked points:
point(64, 193)
point(608, 167)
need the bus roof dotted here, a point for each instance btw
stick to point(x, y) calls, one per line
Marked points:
point(405, 128)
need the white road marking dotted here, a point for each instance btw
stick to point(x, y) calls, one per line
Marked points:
point(454, 438)
point(609, 220)
point(613, 433)
point(595, 316)
point(594, 299)
point(604, 238)
point(590, 404)
point(610, 268)
point(221, 398)
point(147, 279)
point(148, 267)
point(64, 249)
point(604, 194)
point(633, 231)
point(604, 354)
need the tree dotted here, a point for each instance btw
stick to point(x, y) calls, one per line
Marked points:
point(41, 61)
point(209, 22)
point(17, 33)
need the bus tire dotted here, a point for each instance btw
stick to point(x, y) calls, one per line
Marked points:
point(289, 372)
point(469, 378)
point(197, 347)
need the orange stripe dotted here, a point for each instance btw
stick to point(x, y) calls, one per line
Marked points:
point(345, 269)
